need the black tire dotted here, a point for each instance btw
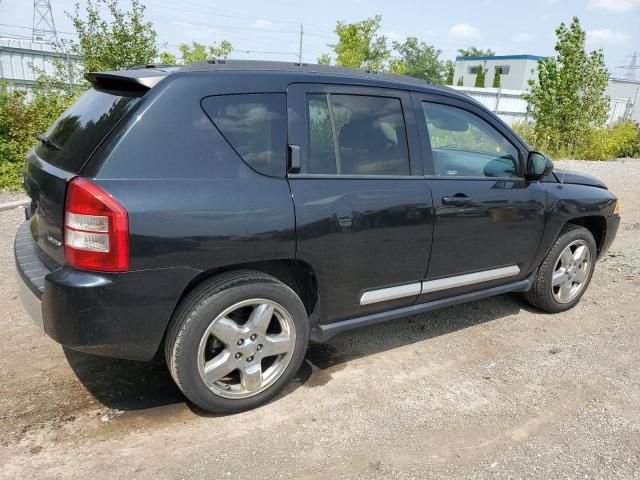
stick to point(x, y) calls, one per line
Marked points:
point(541, 293)
point(196, 312)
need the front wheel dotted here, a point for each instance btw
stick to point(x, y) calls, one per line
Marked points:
point(236, 341)
point(566, 271)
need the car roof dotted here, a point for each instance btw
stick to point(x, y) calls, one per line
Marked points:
point(308, 70)
point(148, 76)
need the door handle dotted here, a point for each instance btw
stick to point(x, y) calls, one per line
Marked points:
point(295, 160)
point(457, 200)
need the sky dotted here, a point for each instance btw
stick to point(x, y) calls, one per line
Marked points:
point(270, 30)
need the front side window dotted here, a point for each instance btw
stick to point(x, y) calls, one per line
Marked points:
point(356, 135)
point(464, 145)
point(256, 127)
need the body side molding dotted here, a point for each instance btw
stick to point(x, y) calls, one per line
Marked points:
point(428, 286)
point(390, 293)
point(469, 279)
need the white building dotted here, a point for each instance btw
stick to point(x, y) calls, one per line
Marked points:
point(625, 98)
point(21, 59)
point(515, 70)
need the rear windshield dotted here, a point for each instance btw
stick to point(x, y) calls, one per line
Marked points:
point(81, 128)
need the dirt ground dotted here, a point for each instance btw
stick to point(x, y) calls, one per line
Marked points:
point(491, 389)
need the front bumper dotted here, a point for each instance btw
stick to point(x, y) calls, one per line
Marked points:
point(121, 315)
point(613, 222)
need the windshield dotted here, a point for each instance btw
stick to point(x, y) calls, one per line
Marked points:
point(80, 129)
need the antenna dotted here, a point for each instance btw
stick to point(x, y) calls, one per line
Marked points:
point(44, 28)
point(300, 50)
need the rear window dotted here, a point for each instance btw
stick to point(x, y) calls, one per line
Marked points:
point(81, 128)
point(255, 126)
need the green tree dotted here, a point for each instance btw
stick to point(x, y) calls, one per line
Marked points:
point(449, 67)
point(360, 45)
point(568, 101)
point(461, 82)
point(20, 121)
point(480, 77)
point(417, 59)
point(496, 77)
point(119, 40)
point(475, 52)
point(324, 59)
point(197, 52)
point(167, 58)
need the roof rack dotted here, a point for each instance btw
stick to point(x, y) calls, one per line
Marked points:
point(154, 66)
point(260, 65)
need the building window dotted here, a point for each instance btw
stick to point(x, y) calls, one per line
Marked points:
point(473, 70)
point(504, 69)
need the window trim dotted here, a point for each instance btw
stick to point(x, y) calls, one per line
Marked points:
point(334, 133)
point(488, 117)
point(298, 130)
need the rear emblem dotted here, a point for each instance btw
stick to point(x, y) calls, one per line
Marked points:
point(52, 240)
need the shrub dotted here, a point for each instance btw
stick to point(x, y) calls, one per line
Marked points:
point(619, 140)
point(20, 121)
point(526, 131)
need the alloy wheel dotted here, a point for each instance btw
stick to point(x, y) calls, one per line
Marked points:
point(246, 348)
point(571, 271)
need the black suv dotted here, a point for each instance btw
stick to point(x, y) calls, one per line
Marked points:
point(231, 212)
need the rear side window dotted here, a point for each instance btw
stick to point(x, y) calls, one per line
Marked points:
point(81, 128)
point(356, 135)
point(255, 126)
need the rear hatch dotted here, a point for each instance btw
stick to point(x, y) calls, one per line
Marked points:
point(65, 148)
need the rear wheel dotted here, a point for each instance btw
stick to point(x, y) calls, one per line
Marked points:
point(236, 341)
point(566, 272)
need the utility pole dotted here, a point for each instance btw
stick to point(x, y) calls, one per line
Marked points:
point(300, 50)
point(44, 28)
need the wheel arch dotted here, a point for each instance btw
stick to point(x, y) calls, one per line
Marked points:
point(596, 224)
point(296, 274)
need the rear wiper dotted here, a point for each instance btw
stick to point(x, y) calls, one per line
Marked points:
point(44, 139)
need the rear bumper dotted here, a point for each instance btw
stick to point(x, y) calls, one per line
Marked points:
point(121, 315)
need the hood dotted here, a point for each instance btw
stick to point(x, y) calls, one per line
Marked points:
point(577, 178)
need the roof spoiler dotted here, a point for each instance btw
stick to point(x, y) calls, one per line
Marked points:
point(138, 79)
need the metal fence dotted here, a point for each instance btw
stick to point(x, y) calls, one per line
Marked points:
point(512, 108)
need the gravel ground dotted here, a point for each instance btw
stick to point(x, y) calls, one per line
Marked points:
point(491, 389)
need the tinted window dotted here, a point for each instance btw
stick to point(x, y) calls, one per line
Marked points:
point(463, 144)
point(80, 129)
point(356, 135)
point(255, 126)
point(322, 151)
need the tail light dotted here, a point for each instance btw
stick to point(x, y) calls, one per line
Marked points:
point(96, 229)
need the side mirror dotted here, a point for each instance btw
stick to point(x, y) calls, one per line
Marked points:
point(538, 166)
